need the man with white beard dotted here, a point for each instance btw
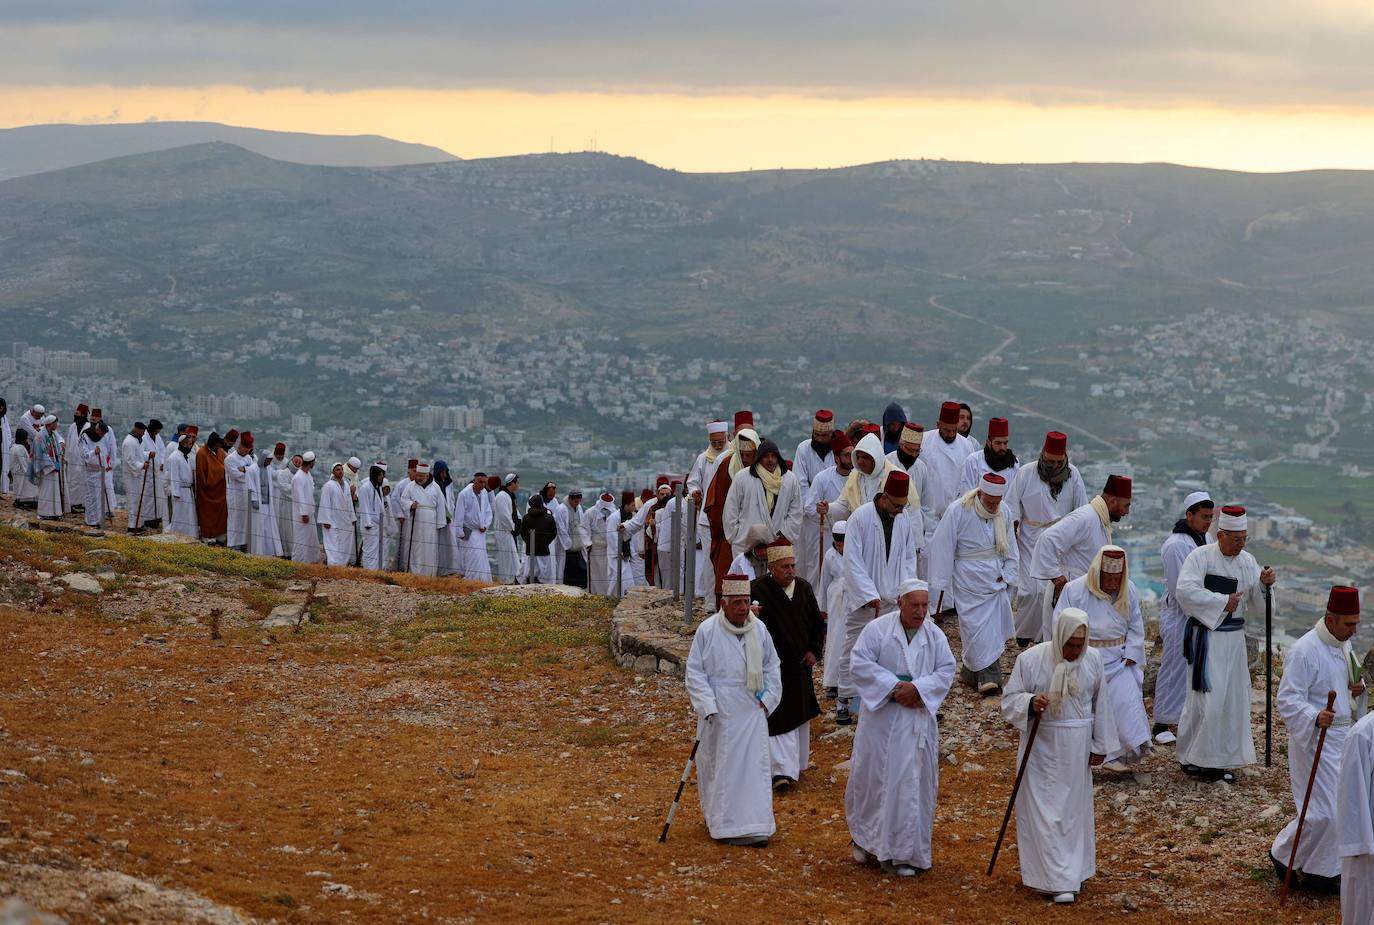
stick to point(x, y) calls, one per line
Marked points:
point(1066, 550)
point(372, 517)
point(181, 475)
point(698, 478)
point(973, 566)
point(944, 458)
point(473, 520)
point(1039, 497)
point(1219, 584)
point(816, 515)
point(880, 556)
point(283, 470)
point(423, 503)
point(995, 456)
point(866, 479)
point(1355, 821)
point(138, 477)
point(903, 668)
point(1322, 661)
point(335, 517)
point(503, 528)
point(47, 459)
point(73, 467)
point(305, 542)
point(814, 455)
point(764, 493)
point(1171, 683)
point(263, 539)
point(734, 682)
point(907, 457)
point(236, 465)
point(1117, 631)
point(1062, 682)
point(32, 421)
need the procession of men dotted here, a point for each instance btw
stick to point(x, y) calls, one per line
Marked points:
point(864, 556)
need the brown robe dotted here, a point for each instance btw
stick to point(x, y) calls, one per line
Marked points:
point(721, 553)
point(212, 507)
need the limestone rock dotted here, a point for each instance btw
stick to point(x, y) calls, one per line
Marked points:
point(284, 615)
point(531, 591)
point(15, 911)
point(80, 582)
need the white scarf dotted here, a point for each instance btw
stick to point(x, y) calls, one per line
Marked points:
point(1100, 506)
point(974, 501)
point(1064, 673)
point(736, 464)
point(753, 650)
point(772, 484)
point(1094, 582)
point(1352, 664)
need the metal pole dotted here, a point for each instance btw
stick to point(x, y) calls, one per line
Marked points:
point(675, 558)
point(690, 597)
point(1268, 677)
point(619, 558)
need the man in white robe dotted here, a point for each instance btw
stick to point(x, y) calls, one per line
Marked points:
point(283, 471)
point(423, 503)
point(335, 517)
point(48, 457)
point(32, 421)
point(813, 455)
point(1117, 631)
point(507, 570)
point(596, 543)
point(621, 568)
point(138, 478)
point(1062, 682)
point(1171, 682)
point(903, 668)
point(240, 508)
point(995, 456)
point(474, 502)
point(6, 441)
point(73, 466)
point(817, 520)
point(157, 478)
point(1355, 824)
point(305, 541)
point(262, 498)
point(181, 475)
point(1040, 496)
point(699, 476)
point(448, 554)
point(866, 478)
point(764, 493)
point(109, 451)
point(1214, 735)
point(734, 682)
point(830, 594)
point(907, 457)
point(575, 527)
point(400, 512)
point(21, 455)
point(1066, 550)
point(88, 457)
point(1322, 661)
point(880, 555)
point(372, 506)
point(973, 567)
point(944, 457)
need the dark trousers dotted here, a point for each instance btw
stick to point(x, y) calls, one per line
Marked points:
point(574, 569)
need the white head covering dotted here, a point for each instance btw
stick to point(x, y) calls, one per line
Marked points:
point(994, 488)
point(48, 419)
point(355, 462)
point(1234, 522)
point(1064, 673)
point(308, 456)
point(744, 433)
point(911, 584)
point(718, 427)
point(839, 527)
point(1194, 498)
point(37, 410)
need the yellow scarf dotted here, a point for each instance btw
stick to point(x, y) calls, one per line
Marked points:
point(772, 484)
point(1099, 505)
point(745, 434)
point(974, 501)
point(1094, 582)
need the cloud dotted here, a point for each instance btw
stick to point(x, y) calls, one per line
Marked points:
point(1264, 52)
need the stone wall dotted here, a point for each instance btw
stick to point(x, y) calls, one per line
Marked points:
point(647, 632)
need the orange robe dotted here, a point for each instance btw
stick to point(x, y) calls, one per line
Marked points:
point(212, 507)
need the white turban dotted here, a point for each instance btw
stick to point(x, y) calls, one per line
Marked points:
point(1234, 522)
point(718, 427)
point(1195, 498)
point(308, 456)
point(839, 527)
point(911, 584)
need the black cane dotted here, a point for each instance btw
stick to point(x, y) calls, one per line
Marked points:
point(1015, 789)
point(677, 800)
point(1268, 677)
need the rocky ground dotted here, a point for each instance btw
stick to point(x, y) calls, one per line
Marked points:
point(416, 753)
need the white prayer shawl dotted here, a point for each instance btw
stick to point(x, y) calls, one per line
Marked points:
point(372, 523)
point(746, 505)
point(871, 571)
point(181, 475)
point(87, 460)
point(422, 540)
point(1055, 831)
point(6, 441)
point(1355, 824)
point(826, 485)
point(964, 565)
point(236, 497)
point(507, 567)
point(1311, 668)
point(22, 488)
point(895, 770)
point(945, 462)
point(476, 514)
point(556, 548)
point(47, 460)
point(630, 574)
point(74, 470)
point(1214, 731)
point(1171, 683)
point(263, 540)
point(830, 596)
point(807, 464)
point(138, 482)
point(976, 466)
point(281, 480)
point(864, 487)
point(109, 451)
point(400, 512)
point(734, 780)
point(1124, 682)
point(919, 473)
point(448, 556)
point(157, 477)
point(305, 540)
point(336, 514)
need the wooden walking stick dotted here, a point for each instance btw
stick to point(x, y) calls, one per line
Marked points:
point(139, 512)
point(1015, 789)
point(1268, 676)
point(820, 539)
point(1307, 798)
point(62, 480)
point(677, 799)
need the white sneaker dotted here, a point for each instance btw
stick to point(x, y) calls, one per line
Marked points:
point(1165, 738)
point(900, 870)
point(1114, 766)
point(1064, 898)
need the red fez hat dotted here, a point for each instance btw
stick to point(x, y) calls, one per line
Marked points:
point(839, 442)
point(998, 427)
point(1118, 486)
point(787, 465)
point(662, 480)
point(872, 429)
point(1056, 444)
point(1113, 553)
point(646, 495)
point(607, 497)
point(897, 485)
point(674, 485)
point(412, 463)
point(1344, 601)
point(82, 409)
point(231, 436)
point(193, 430)
point(949, 412)
point(493, 482)
point(246, 439)
point(744, 419)
point(95, 412)
point(825, 416)
point(626, 497)
point(279, 448)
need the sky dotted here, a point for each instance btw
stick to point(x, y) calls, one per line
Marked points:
point(726, 84)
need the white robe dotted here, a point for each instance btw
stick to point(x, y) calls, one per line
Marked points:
point(1355, 822)
point(240, 521)
point(734, 782)
point(475, 511)
point(400, 512)
point(627, 566)
point(263, 539)
point(1067, 548)
point(698, 479)
point(872, 571)
point(1311, 669)
point(281, 478)
point(919, 473)
point(1124, 682)
point(6, 441)
point(74, 470)
point(945, 462)
point(48, 462)
point(965, 568)
point(139, 482)
point(157, 476)
point(830, 596)
point(1214, 731)
point(746, 505)
point(1056, 840)
point(110, 453)
point(556, 548)
point(976, 466)
point(807, 464)
point(895, 770)
point(448, 528)
point(596, 547)
point(182, 477)
point(1035, 510)
point(825, 486)
point(372, 524)
point(423, 539)
point(88, 458)
point(507, 570)
point(336, 513)
point(305, 539)
point(1171, 683)
point(20, 486)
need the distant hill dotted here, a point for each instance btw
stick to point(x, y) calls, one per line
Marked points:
point(38, 148)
